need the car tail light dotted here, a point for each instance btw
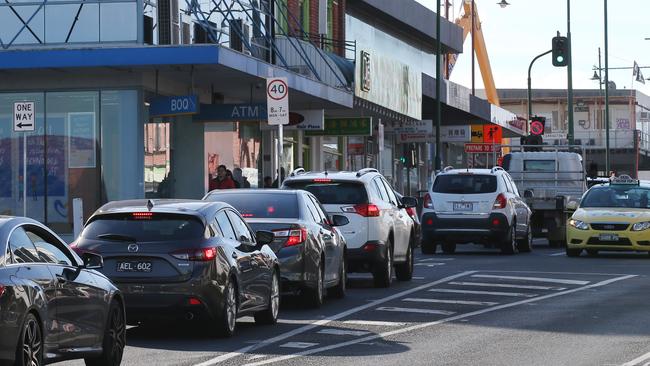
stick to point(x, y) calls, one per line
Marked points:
point(370, 247)
point(429, 221)
point(80, 252)
point(367, 210)
point(142, 215)
point(411, 211)
point(196, 255)
point(428, 202)
point(322, 180)
point(500, 202)
point(293, 236)
point(2, 290)
point(194, 301)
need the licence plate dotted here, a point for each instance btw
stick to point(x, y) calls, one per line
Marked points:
point(608, 237)
point(463, 206)
point(134, 266)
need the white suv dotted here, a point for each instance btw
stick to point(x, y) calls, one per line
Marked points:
point(380, 234)
point(475, 206)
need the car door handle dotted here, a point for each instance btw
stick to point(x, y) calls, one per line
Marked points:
point(235, 256)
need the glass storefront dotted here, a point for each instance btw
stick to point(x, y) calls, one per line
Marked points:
point(237, 146)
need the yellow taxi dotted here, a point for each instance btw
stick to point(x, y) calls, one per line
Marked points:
point(611, 216)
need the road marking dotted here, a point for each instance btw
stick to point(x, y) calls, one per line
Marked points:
point(456, 302)
point(535, 279)
point(333, 331)
point(437, 322)
point(557, 254)
point(329, 319)
point(374, 322)
point(417, 278)
point(418, 311)
point(507, 285)
point(429, 264)
point(471, 292)
point(296, 321)
point(565, 273)
point(434, 259)
point(256, 357)
point(301, 345)
point(638, 360)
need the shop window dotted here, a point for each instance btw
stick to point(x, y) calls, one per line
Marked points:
point(158, 181)
point(237, 146)
point(118, 22)
point(331, 153)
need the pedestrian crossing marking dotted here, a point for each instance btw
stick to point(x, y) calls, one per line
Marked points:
point(472, 292)
point(534, 279)
point(507, 285)
point(455, 302)
point(414, 310)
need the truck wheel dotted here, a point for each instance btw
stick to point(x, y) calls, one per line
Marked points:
point(449, 248)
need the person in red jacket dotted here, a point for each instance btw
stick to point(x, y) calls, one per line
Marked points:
point(222, 181)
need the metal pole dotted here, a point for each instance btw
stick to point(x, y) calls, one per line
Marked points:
point(280, 148)
point(530, 67)
point(607, 160)
point(473, 50)
point(570, 73)
point(25, 174)
point(438, 160)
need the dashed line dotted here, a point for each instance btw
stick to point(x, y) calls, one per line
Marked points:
point(434, 259)
point(557, 254)
point(374, 322)
point(455, 302)
point(534, 279)
point(332, 331)
point(414, 310)
point(507, 285)
point(299, 345)
point(494, 293)
point(429, 264)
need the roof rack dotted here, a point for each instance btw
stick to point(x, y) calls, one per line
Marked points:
point(366, 171)
point(297, 171)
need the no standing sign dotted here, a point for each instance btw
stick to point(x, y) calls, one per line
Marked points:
point(277, 101)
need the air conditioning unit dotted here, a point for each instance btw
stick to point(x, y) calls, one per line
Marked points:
point(239, 34)
point(201, 34)
point(645, 116)
point(168, 22)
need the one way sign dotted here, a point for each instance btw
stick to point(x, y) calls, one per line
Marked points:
point(24, 116)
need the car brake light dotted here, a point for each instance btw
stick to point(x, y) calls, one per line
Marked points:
point(2, 290)
point(500, 202)
point(294, 236)
point(367, 210)
point(322, 180)
point(142, 215)
point(194, 301)
point(428, 202)
point(196, 255)
point(370, 247)
point(410, 211)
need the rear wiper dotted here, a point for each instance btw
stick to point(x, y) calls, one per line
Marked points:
point(119, 237)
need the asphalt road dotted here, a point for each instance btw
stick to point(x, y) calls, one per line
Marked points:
point(476, 307)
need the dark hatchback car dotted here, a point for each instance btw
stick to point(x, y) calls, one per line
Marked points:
point(53, 305)
point(310, 249)
point(192, 261)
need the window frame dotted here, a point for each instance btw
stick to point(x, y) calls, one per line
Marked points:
point(223, 234)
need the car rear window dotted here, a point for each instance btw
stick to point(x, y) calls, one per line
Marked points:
point(333, 192)
point(143, 227)
point(539, 165)
point(261, 205)
point(465, 184)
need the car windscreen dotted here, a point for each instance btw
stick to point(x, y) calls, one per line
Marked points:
point(617, 196)
point(144, 226)
point(333, 192)
point(465, 184)
point(261, 205)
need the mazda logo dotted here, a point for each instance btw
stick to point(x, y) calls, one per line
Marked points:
point(133, 248)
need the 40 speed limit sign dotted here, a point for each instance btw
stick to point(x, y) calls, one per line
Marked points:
point(277, 101)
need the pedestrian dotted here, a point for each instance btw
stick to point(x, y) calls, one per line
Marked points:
point(276, 183)
point(238, 177)
point(222, 181)
point(229, 175)
point(268, 182)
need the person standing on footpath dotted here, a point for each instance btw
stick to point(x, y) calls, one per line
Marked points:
point(222, 181)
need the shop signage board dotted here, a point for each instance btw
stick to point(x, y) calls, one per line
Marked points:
point(448, 134)
point(359, 126)
point(477, 134)
point(174, 106)
point(231, 112)
point(277, 101)
point(482, 148)
point(24, 116)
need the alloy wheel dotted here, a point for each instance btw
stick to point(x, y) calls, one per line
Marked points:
point(32, 343)
point(231, 307)
point(117, 335)
point(275, 297)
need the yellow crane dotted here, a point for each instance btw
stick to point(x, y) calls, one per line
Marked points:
point(465, 22)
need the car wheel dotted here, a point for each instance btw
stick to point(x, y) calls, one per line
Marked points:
point(404, 271)
point(428, 247)
point(449, 248)
point(30, 346)
point(114, 339)
point(509, 245)
point(526, 245)
point(226, 322)
point(384, 274)
point(592, 252)
point(314, 297)
point(270, 315)
point(573, 252)
point(340, 289)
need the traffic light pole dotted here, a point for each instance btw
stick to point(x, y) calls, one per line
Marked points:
point(607, 162)
point(438, 160)
point(570, 135)
point(530, 106)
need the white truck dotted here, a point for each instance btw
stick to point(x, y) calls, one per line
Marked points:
point(549, 179)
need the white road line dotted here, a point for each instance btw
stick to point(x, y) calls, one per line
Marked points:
point(534, 279)
point(638, 360)
point(434, 259)
point(557, 254)
point(429, 264)
point(374, 322)
point(417, 278)
point(296, 321)
point(329, 319)
point(256, 357)
point(471, 292)
point(414, 310)
point(507, 285)
point(351, 332)
point(301, 345)
point(437, 322)
point(455, 302)
point(564, 273)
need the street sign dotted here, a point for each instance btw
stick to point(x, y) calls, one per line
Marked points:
point(482, 148)
point(277, 101)
point(492, 134)
point(536, 127)
point(24, 116)
point(174, 106)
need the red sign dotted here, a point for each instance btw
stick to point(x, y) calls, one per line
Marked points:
point(482, 148)
point(492, 134)
point(536, 128)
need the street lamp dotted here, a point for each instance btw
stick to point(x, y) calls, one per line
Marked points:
point(503, 3)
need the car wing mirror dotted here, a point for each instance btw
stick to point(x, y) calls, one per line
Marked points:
point(572, 205)
point(529, 193)
point(92, 261)
point(409, 202)
point(339, 220)
point(264, 237)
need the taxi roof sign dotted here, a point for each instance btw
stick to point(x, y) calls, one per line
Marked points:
point(624, 179)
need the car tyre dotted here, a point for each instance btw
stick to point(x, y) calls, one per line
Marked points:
point(509, 245)
point(383, 275)
point(449, 248)
point(526, 245)
point(340, 289)
point(30, 344)
point(315, 297)
point(270, 315)
point(404, 271)
point(573, 252)
point(226, 322)
point(428, 247)
point(114, 339)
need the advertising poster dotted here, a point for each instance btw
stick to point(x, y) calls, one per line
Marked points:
point(81, 140)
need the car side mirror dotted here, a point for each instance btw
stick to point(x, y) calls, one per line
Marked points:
point(264, 237)
point(92, 260)
point(409, 202)
point(529, 193)
point(572, 205)
point(339, 220)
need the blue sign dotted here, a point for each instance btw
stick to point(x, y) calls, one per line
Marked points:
point(174, 106)
point(231, 112)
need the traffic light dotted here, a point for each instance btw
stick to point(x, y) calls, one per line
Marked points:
point(560, 51)
point(532, 142)
point(409, 156)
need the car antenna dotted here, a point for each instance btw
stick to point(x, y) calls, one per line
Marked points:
point(149, 204)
